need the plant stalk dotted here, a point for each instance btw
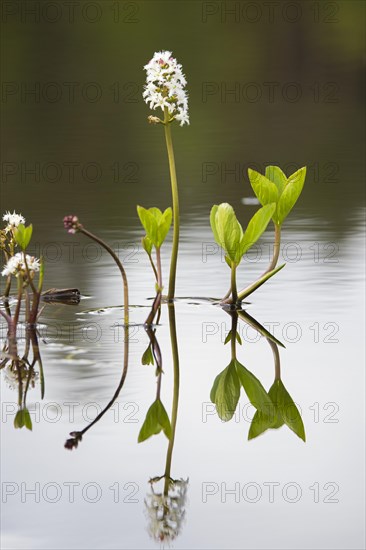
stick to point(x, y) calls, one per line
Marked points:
point(175, 198)
point(120, 267)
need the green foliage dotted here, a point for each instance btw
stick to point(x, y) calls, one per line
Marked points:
point(156, 420)
point(147, 357)
point(23, 235)
point(274, 187)
point(156, 224)
point(284, 412)
point(22, 418)
point(225, 391)
point(229, 234)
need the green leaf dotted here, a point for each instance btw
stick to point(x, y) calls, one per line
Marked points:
point(164, 224)
point(238, 339)
point(264, 189)
point(228, 338)
point(225, 392)
point(289, 412)
point(275, 174)
point(213, 224)
point(23, 235)
point(229, 231)
point(286, 412)
point(156, 420)
point(149, 223)
point(147, 245)
point(256, 393)
point(22, 418)
point(156, 224)
point(147, 357)
point(262, 421)
point(256, 227)
point(291, 193)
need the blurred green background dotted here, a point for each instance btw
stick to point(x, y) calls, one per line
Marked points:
point(268, 82)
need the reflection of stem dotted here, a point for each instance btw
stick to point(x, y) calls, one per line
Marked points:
point(159, 282)
point(174, 343)
point(175, 197)
point(234, 325)
point(277, 361)
point(119, 264)
point(70, 443)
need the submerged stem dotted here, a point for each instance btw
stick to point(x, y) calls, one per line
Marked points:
point(175, 197)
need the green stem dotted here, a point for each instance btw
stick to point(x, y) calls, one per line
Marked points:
point(175, 197)
point(174, 343)
point(120, 267)
point(234, 291)
point(267, 274)
point(276, 249)
point(234, 328)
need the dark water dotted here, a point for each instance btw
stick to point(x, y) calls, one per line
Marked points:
point(99, 159)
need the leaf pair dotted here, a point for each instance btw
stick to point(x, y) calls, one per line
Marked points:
point(276, 188)
point(225, 391)
point(23, 235)
point(284, 412)
point(229, 233)
point(156, 224)
point(156, 420)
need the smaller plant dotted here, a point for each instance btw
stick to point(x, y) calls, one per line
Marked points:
point(73, 225)
point(275, 187)
point(156, 224)
point(229, 234)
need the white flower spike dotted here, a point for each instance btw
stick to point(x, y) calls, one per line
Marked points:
point(165, 83)
point(13, 220)
point(16, 265)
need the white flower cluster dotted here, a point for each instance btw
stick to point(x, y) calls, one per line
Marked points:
point(165, 84)
point(13, 220)
point(16, 265)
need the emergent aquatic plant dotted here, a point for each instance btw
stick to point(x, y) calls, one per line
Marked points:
point(156, 224)
point(72, 225)
point(235, 242)
point(165, 90)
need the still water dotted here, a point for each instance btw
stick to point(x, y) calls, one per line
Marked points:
point(268, 493)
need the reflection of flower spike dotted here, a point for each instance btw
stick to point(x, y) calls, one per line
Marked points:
point(166, 512)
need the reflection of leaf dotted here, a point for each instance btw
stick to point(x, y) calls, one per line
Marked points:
point(225, 392)
point(156, 420)
point(285, 412)
point(256, 393)
point(147, 358)
point(22, 418)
